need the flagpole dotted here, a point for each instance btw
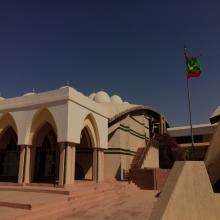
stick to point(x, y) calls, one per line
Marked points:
point(190, 114)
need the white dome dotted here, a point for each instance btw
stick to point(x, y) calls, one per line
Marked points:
point(102, 97)
point(29, 93)
point(1, 98)
point(116, 99)
point(63, 87)
point(126, 103)
point(92, 95)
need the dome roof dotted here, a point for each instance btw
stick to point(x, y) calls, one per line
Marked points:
point(116, 99)
point(29, 93)
point(92, 95)
point(101, 97)
point(1, 98)
point(69, 87)
point(63, 87)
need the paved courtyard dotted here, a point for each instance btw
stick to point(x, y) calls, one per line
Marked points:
point(136, 205)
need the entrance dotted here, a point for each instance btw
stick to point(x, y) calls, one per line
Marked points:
point(84, 158)
point(46, 156)
point(9, 156)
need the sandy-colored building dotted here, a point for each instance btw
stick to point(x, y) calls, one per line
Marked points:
point(62, 135)
point(202, 135)
point(212, 159)
point(192, 187)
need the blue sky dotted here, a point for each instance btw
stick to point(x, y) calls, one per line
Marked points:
point(130, 48)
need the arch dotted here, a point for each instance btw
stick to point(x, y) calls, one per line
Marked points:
point(89, 139)
point(92, 129)
point(40, 118)
point(45, 154)
point(7, 121)
point(9, 155)
point(132, 109)
point(84, 157)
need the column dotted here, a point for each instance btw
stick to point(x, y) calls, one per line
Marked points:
point(27, 165)
point(69, 164)
point(98, 164)
point(101, 165)
point(94, 164)
point(62, 162)
point(73, 162)
point(21, 164)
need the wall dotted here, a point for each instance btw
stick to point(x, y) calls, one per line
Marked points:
point(152, 158)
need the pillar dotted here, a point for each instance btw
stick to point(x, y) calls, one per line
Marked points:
point(67, 164)
point(73, 162)
point(101, 165)
point(61, 164)
point(21, 164)
point(69, 168)
point(94, 164)
point(98, 165)
point(27, 165)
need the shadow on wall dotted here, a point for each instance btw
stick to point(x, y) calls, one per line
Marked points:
point(216, 187)
point(143, 178)
point(149, 178)
point(79, 174)
point(118, 174)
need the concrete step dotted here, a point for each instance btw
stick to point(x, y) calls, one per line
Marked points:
point(91, 196)
point(80, 198)
point(51, 215)
point(35, 189)
point(10, 184)
point(29, 205)
point(46, 210)
point(86, 204)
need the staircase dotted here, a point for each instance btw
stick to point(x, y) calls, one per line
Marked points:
point(140, 155)
point(41, 204)
point(146, 178)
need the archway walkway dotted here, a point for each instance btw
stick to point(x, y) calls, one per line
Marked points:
point(45, 155)
point(84, 157)
point(9, 156)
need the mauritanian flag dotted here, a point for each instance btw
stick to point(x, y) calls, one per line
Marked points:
point(193, 67)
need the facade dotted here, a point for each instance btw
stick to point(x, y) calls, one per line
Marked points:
point(202, 135)
point(212, 159)
point(62, 135)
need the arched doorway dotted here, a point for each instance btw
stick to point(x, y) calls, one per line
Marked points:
point(46, 167)
point(9, 156)
point(84, 157)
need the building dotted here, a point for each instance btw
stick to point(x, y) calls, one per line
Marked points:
point(212, 159)
point(192, 188)
point(202, 135)
point(62, 135)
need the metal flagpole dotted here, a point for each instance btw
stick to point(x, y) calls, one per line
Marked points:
point(189, 105)
point(190, 114)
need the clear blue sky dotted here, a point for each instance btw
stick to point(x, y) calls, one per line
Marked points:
point(130, 48)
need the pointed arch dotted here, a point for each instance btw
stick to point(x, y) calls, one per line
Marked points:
point(9, 152)
point(42, 117)
point(45, 155)
point(7, 121)
point(85, 150)
point(92, 129)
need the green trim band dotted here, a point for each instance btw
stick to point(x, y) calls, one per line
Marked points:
point(119, 151)
point(127, 129)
